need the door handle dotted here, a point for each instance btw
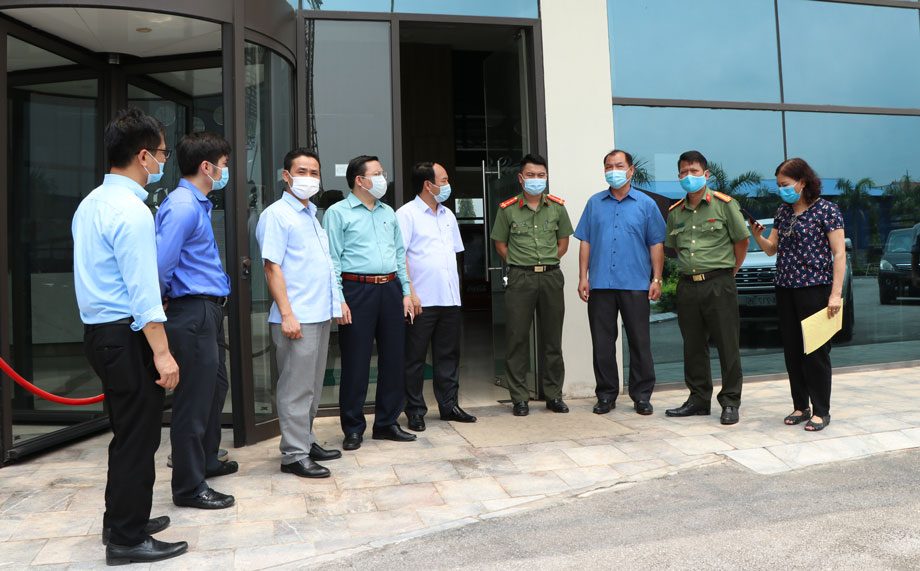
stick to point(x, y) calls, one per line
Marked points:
point(245, 267)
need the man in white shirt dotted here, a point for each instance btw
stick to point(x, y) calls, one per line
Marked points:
point(432, 239)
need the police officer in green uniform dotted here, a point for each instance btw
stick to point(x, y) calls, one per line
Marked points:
point(531, 233)
point(711, 239)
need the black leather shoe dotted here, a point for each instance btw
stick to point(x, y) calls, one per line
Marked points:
point(209, 499)
point(317, 452)
point(393, 432)
point(306, 468)
point(520, 409)
point(604, 406)
point(352, 441)
point(457, 414)
point(643, 407)
point(228, 467)
point(221, 456)
point(729, 415)
point(416, 422)
point(556, 405)
point(146, 551)
point(688, 409)
point(154, 525)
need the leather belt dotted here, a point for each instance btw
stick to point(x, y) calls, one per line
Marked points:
point(704, 276)
point(93, 326)
point(220, 300)
point(537, 269)
point(369, 279)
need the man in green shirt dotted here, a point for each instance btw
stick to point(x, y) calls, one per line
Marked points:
point(711, 239)
point(531, 233)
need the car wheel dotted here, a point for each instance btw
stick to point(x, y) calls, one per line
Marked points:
point(885, 296)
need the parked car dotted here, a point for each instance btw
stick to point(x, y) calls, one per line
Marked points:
point(894, 269)
point(757, 293)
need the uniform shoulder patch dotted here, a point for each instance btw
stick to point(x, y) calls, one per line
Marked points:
point(676, 204)
point(508, 202)
point(555, 199)
point(721, 196)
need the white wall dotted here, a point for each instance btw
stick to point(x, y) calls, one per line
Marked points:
point(579, 126)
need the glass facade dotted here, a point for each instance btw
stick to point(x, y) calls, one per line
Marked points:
point(490, 8)
point(845, 54)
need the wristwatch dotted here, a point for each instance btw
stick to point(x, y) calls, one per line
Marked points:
point(657, 281)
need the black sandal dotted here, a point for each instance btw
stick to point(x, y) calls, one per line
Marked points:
point(794, 419)
point(811, 426)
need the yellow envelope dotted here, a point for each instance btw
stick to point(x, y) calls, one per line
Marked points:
point(817, 329)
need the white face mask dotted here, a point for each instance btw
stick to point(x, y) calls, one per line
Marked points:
point(304, 187)
point(379, 187)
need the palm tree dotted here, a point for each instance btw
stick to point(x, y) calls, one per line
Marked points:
point(855, 198)
point(640, 177)
point(719, 181)
point(905, 200)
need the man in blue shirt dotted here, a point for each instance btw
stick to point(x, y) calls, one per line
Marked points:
point(370, 264)
point(115, 281)
point(622, 234)
point(195, 287)
point(302, 281)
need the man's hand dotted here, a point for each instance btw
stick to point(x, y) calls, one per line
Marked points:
point(584, 289)
point(168, 369)
point(346, 315)
point(290, 327)
point(416, 304)
point(408, 308)
point(654, 291)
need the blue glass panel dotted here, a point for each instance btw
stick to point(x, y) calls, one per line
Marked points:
point(504, 8)
point(739, 141)
point(845, 54)
point(717, 50)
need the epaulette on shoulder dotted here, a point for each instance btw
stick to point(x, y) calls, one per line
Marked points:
point(555, 199)
point(508, 202)
point(676, 204)
point(721, 196)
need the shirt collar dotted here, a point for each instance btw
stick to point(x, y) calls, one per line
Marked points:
point(609, 194)
point(125, 182)
point(422, 206)
point(186, 183)
point(522, 201)
point(707, 198)
point(297, 205)
point(354, 201)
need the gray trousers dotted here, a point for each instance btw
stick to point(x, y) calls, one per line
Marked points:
point(301, 368)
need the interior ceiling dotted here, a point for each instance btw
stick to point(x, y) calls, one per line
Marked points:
point(195, 82)
point(106, 30)
point(21, 55)
point(466, 37)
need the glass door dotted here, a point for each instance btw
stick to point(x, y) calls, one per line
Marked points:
point(508, 139)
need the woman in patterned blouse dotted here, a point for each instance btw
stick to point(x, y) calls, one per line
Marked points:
point(808, 238)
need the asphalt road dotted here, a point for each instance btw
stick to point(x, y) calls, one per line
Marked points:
point(862, 514)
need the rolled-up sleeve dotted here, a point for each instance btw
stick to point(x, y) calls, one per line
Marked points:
point(134, 246)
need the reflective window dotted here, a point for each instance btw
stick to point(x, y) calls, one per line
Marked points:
point(737, 141)
point(721, 50)
point(505, 8)
point(846, 54)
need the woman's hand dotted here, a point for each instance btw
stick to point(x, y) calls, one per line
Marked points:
point(757, 228)
point(834, 305)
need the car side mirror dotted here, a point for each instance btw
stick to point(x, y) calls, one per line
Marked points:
point(848, 244)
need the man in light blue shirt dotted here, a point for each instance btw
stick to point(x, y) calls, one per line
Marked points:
point(622, 234)
point(370, 264)
point(115, 280)
point(301, 279)
point(193, 281)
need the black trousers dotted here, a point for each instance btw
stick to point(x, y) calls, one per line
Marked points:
point(376, 313)
point(124, 362)
point(809, 375)
point(603, 307)
point(438, 326)
point(195, 328)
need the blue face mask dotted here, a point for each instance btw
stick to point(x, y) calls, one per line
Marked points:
point(154, 177)
point(224, 178)
point(443, 195)
point(616, 179)
point(534, 186)
point(788, 194)
point(692, 183)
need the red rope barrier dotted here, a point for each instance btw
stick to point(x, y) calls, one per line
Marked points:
point(45, 394)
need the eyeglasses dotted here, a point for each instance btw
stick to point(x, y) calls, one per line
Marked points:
point(166, 152)
point(373, 174)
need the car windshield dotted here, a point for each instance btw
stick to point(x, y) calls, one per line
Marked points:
point(753, 246)
point(898, 241)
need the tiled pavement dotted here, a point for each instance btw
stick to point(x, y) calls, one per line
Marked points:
point(51, 506)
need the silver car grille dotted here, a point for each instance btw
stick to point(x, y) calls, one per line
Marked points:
point(755, 277)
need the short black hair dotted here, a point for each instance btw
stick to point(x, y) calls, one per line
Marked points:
point(299, 152)
point(629, 158)
point(128, 133)
point(195, 148)
point(532, 159)
point(422, 172)
point(693, 157)
point(356, 168)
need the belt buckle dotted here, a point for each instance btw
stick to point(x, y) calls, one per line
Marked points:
point(698, 277)
point(539, 269)
point(380, 279)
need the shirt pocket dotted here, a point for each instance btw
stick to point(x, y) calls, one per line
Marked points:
point(522, 228)
point(712, 225)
